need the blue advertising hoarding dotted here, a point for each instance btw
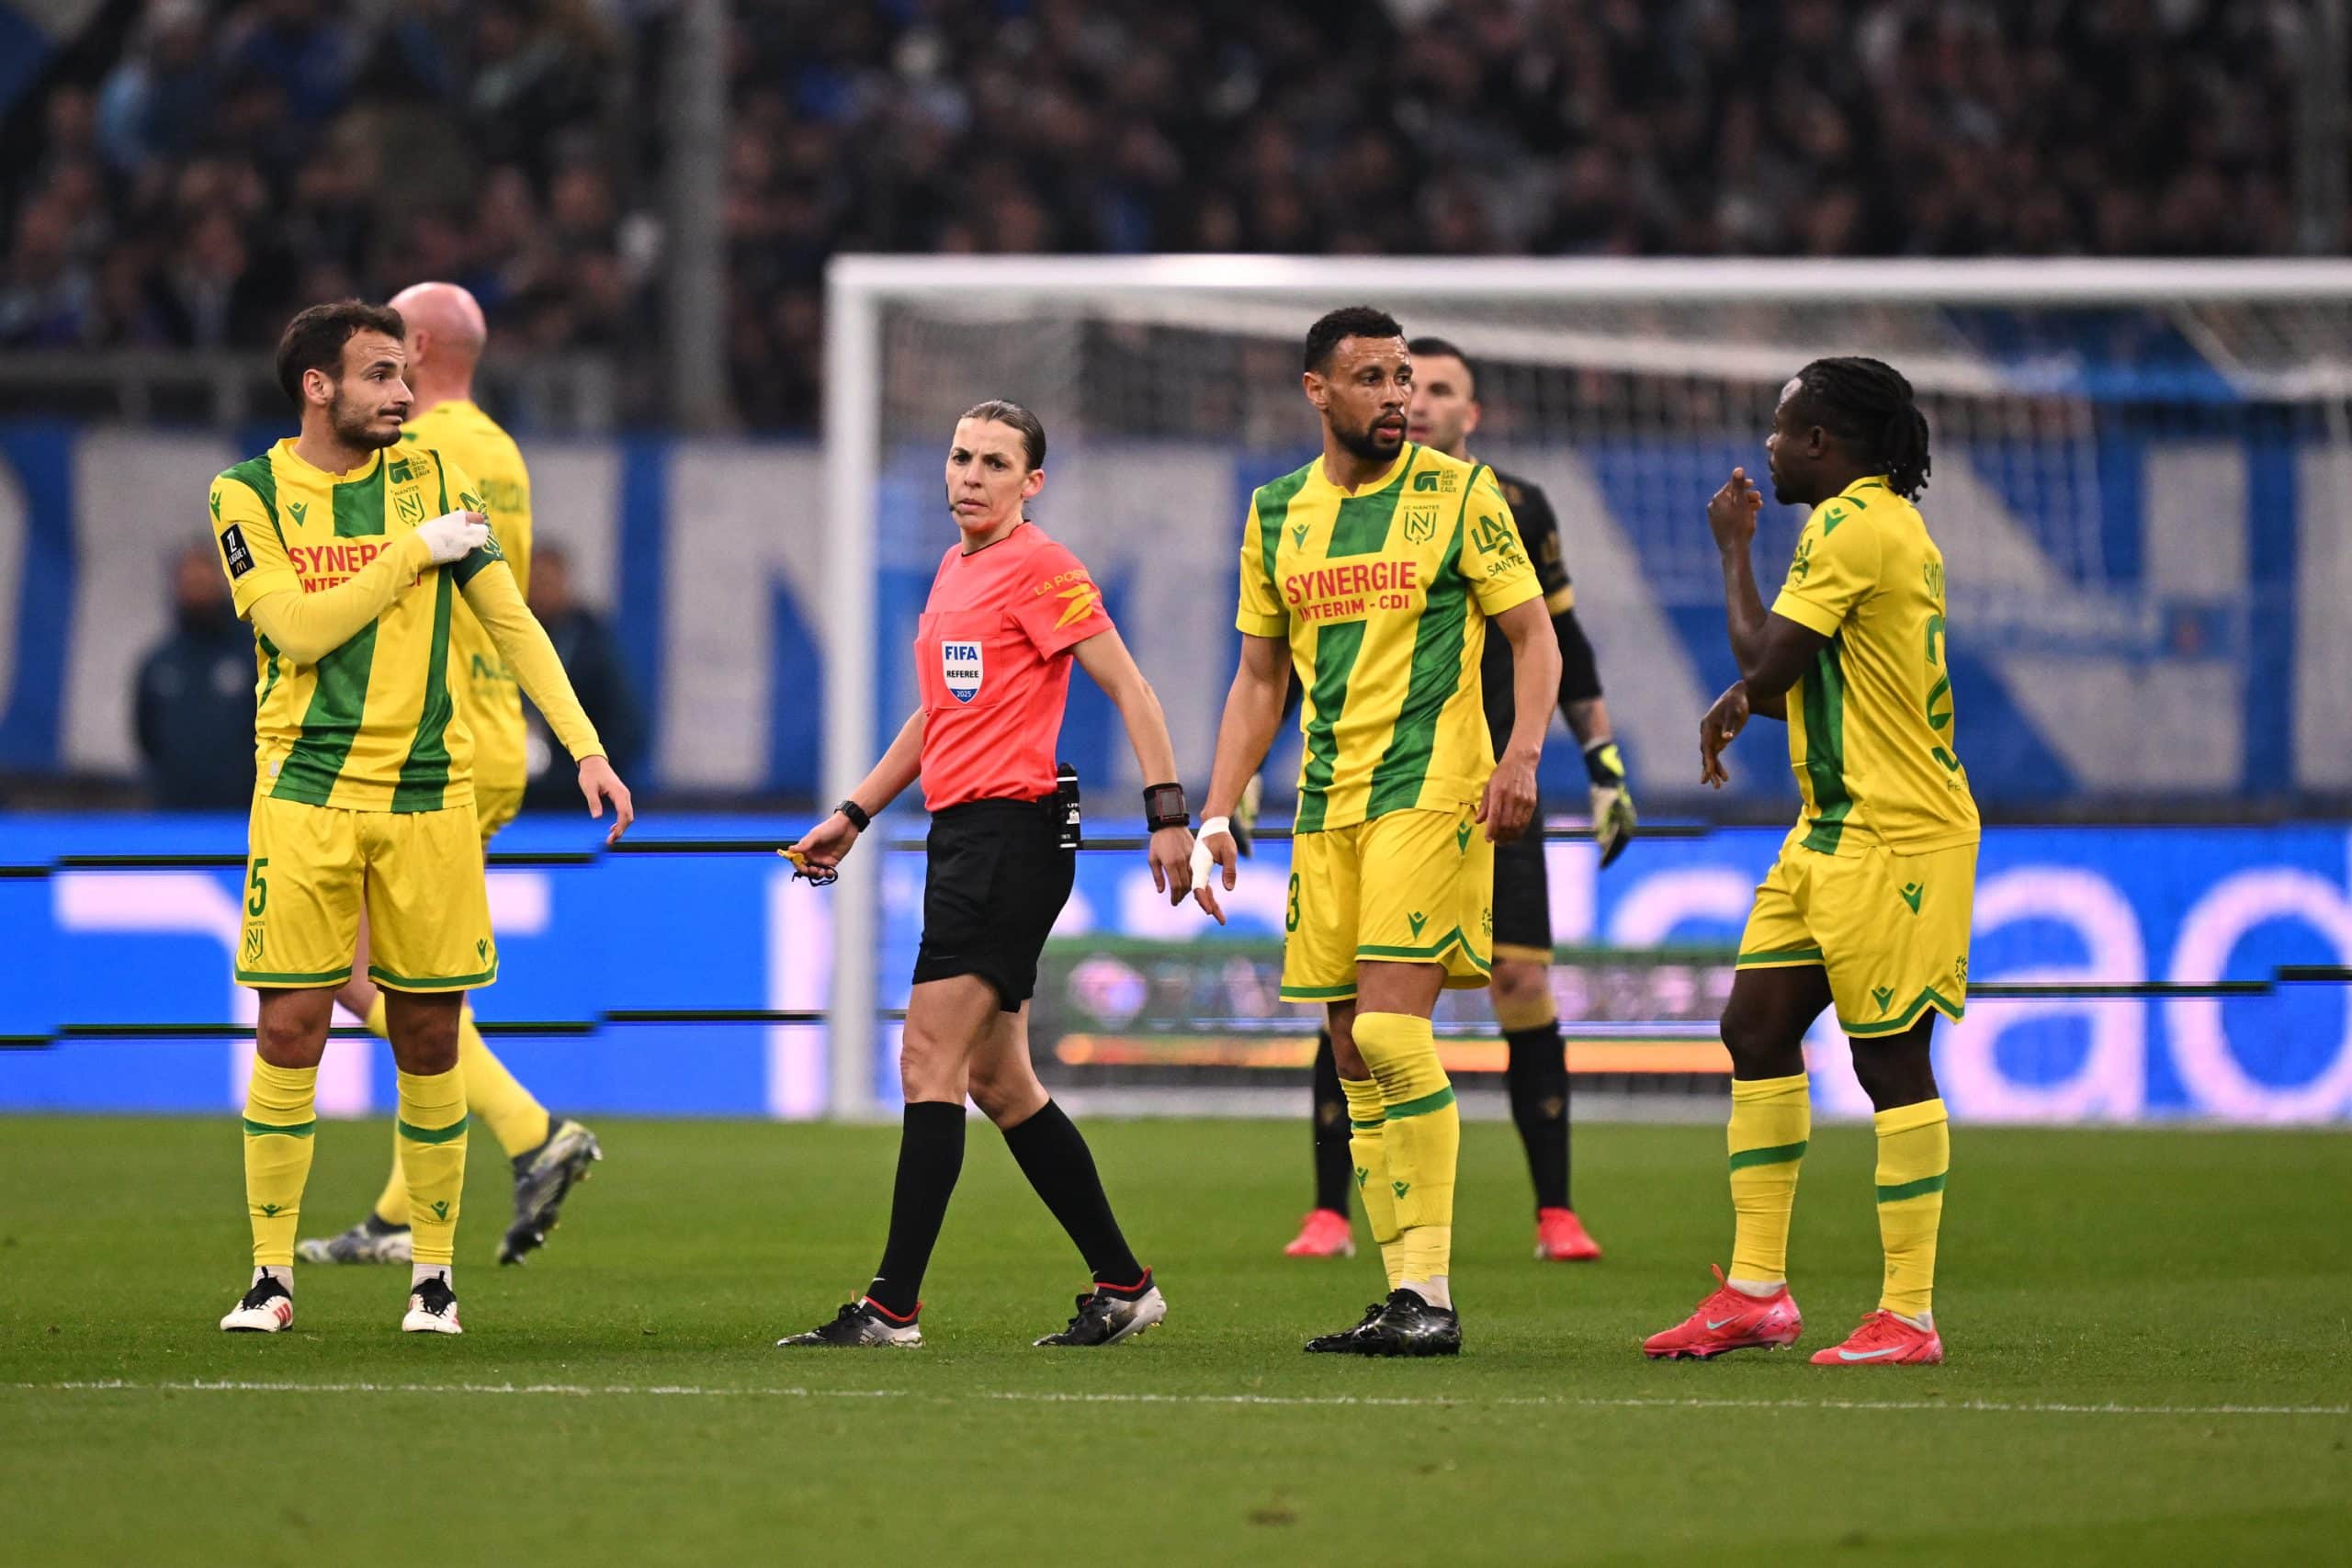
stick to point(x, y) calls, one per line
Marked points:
point(2082, 904)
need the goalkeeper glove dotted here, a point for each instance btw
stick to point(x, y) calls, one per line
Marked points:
point(1613, 799)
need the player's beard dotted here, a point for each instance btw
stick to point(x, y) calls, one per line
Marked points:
point(1364, 442)
point(355, 427)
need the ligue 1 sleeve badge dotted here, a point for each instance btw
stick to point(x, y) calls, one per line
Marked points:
point(959, 666)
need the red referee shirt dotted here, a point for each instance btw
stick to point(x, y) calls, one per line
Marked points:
point(992, 659)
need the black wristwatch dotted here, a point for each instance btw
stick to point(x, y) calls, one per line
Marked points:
point(856, 815)
point(1163, 807)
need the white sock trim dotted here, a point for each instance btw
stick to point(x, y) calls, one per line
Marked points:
point(1758, 1288)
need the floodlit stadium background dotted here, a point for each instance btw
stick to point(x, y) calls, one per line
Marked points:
point(2141, 442)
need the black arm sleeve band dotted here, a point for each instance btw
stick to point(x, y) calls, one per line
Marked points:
point(1580, 676)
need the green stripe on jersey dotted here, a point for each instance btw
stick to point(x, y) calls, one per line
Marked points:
point(1824, 746)
point(1363, 521)
point(359, 505)
point(1435, 678)
point(330, 723)
point(1274, 509)
point(1336, 646)
point(424, 776)
point(256, 475)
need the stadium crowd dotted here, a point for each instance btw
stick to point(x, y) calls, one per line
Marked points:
point(230, 161)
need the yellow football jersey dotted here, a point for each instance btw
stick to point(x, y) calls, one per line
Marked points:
point(371, 726)
point(486, 690)
point(1870, 722)
point(1382, 593)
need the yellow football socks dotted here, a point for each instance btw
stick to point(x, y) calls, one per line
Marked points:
point(1366, 1120)
point(493, 1096)
point(1422, 1138)
point(1914, 1153)
point(1770, 1121)
point(432, 1134)
point(281, 1115)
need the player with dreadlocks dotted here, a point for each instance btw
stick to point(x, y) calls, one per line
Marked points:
point(1867, 909)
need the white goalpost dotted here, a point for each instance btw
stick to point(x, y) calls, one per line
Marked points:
point(2112, 442)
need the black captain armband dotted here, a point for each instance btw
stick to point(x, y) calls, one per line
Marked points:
point(1163, 807)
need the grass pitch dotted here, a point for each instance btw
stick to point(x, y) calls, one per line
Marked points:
point(2148, 1333)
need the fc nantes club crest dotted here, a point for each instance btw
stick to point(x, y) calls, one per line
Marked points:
point(411, 506)
point(959, 666)
point(251, 950)
point(1420, 521)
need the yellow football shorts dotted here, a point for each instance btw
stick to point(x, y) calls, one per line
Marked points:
point(1892, 929)
point(1407, 888)
point(311, 869)
point(497, 801)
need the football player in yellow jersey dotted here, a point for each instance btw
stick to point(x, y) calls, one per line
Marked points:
point(363, 798)
point(1867, 909)
point(445, 337)
point(1373, 571)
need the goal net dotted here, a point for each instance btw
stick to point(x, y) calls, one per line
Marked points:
point(2136, 483)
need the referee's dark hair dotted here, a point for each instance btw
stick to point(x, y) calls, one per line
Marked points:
point(1004, 411)
point(313, 340)
point(1438, 348)
point(1347, 322)
point(1867, 405)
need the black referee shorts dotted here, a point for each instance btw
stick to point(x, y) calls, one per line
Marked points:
point(995, 881)
point(1523, 896)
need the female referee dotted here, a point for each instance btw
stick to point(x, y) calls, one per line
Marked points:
point(1008, 610)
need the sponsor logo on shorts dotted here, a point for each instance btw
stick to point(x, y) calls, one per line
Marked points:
point(482, 950)
point(1418, 921)
point(1462, 838)
point(1911, 895)
point(959, 666)
point(1884, 995)
point(1401, 1187)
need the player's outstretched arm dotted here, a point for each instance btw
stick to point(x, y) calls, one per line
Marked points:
point(497, 603)
point(1253, 713)
point(1104, 657)
point(1510, 799)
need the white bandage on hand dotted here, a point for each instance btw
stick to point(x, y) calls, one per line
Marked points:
point(1204, 862)
point(455, 536)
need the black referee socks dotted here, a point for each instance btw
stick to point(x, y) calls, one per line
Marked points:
point(1053, 1155)
point(931, 1157)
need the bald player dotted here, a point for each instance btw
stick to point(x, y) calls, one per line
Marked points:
point(445, 335)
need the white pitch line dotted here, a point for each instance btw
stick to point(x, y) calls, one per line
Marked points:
point(1565, 1402)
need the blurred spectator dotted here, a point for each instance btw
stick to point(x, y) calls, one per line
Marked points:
point(242, 151)
point(195, 703)
point(599, 672)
